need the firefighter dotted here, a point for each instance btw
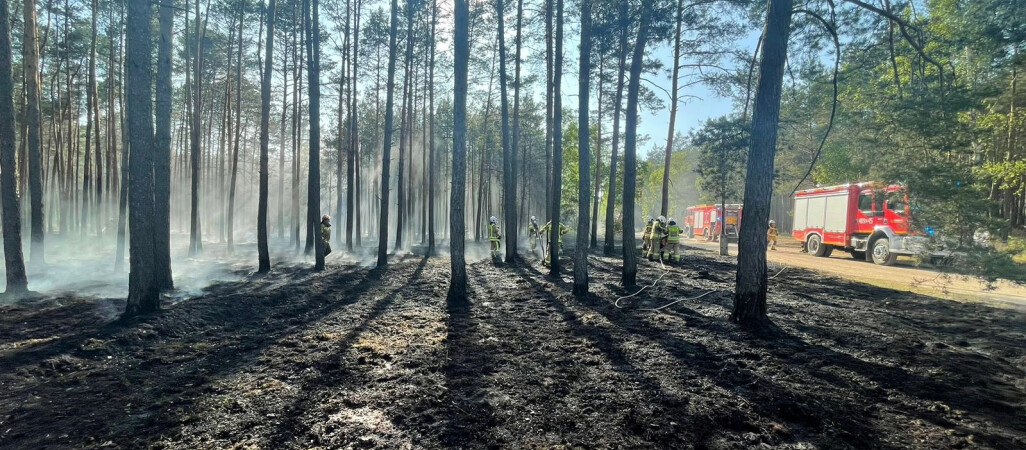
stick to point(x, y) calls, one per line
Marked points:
point(646, 237)
point(533, 233)
point(771, 234)
point(563, 229)
point(656, 239)
point(494, 237)
point(326, 233)
point(673, 233)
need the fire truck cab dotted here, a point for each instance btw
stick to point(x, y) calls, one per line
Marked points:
point(868, 220)
point(704, 221)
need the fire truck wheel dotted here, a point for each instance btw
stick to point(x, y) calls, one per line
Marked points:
point(816, 247)
point(882, 252)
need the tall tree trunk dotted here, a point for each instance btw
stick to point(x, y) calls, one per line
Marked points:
point(618, 103)
point(195, 231)
point(313, 51)
point(513, 231)
point(509, 179)
point(674, 102)
point(386, 146)
point(630, 143)
point(265, 119)
point(98, 159)
point(162, 151)
point(17, 280)
point(355, 133)
point(457, 200)
point(557, 144)
point(91, 123)
point(404, 130)
point(281, 136)
point(584, 162)
point(597, 175)
point(750, 288)
point(143, 292)
point(549, 127)
point(431, 130)
point(30, 56)
point(125, 150)
point(238, 134)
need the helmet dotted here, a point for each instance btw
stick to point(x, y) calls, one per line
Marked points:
point(533, 219)
point(773, 222)
point(325, 218)
point(662, 218)
point(672, 221)
point(650, 218)
point(493, 220)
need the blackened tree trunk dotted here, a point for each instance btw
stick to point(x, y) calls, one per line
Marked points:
point(195, 232)
point(509, 179)
point(457, 199)
point(91, 123)
point(630, 141)
point(143, 293)
point(17, 280)
point(265, 121)
point(431, 130)
point(584, 162)
point(557, 144)
point(30, 58)
point(750, 288)
point(405, 130)
point(98, 154)
point(162, 151)
point(513, 237)
point(609, 245)
point(238, 135)
point(386, 150)
point(313, 63)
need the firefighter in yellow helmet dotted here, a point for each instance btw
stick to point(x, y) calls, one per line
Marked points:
point(771, 234)
point(658, 236)
point(673, 232)
point(494, 237)
point(326, 233)
point(533, 233)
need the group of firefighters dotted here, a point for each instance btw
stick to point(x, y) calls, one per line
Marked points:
point(661, 237)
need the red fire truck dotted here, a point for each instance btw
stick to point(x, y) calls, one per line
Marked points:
point(868, 220)
point(703, 221)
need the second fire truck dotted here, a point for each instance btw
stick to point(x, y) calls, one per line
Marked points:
point(868, 220)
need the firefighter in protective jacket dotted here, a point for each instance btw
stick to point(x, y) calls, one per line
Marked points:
point(493, 236)
point(326, 233)
point(646, 237)
point(563, 229)
point(673, 240)
point(657, 238)
point(533, 233)
point(771, 234)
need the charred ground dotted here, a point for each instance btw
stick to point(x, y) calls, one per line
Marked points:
point(355, 357)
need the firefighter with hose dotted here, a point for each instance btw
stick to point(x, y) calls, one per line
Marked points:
point(673, 232)
point(494, 237)
point(657, 238)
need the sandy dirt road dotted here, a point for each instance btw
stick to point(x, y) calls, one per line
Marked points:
point(904, 275)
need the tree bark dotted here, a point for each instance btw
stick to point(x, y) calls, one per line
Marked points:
point(557, 144)
point(162, 151)
point(17, 280)
point(431, 130)
point(674, 102)
point(386, 147)
point(143, 292)
point(750, 288)
point(618, 102)
point(584, 162)
point(230, 226)
point(195, 231)
point(265, 119)
point(313, 50)
point(457, 294)
point(509, 185)
point(630, 174)
point(30, 56)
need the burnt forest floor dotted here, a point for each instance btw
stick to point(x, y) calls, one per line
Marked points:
point(358, 358)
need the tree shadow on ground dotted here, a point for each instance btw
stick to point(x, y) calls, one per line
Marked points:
point(133, 383)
